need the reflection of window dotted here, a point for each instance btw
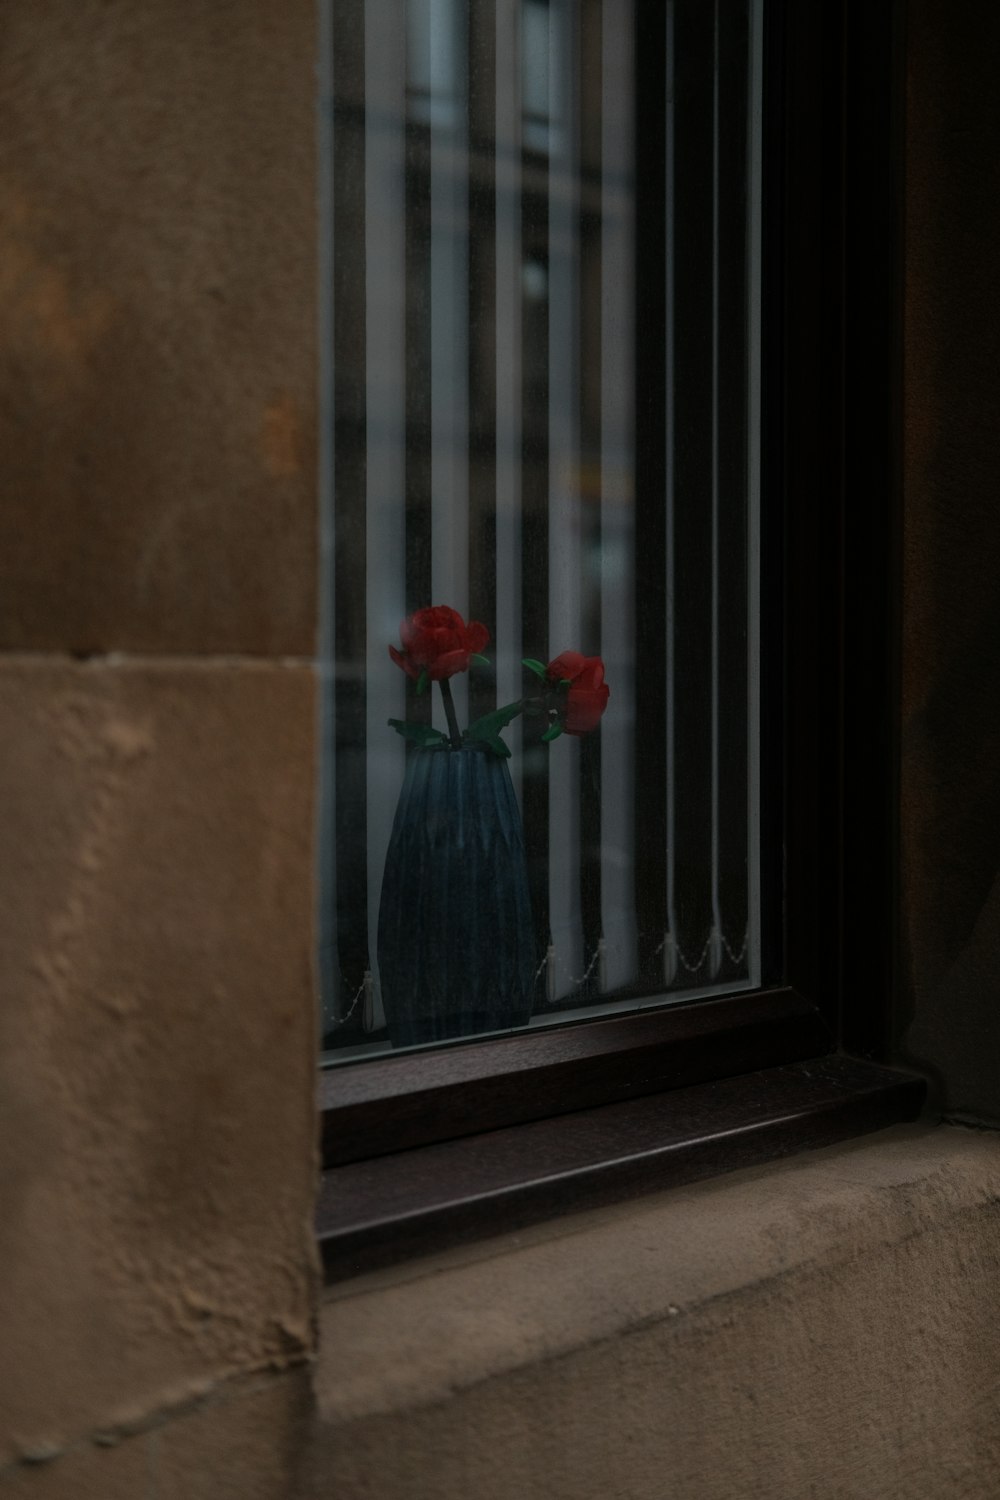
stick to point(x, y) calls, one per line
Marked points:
point(435, 69)
point(505, 443)
point(545, 26)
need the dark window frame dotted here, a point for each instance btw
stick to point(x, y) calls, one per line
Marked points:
point(430, 1147)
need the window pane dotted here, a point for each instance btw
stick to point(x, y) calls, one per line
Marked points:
point(543, 360)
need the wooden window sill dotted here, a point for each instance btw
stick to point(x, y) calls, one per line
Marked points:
point(377, 1212)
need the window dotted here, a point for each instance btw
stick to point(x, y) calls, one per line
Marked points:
point(515, 451)
point(580, 383)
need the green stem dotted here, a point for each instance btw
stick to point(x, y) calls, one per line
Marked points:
point(449, 710)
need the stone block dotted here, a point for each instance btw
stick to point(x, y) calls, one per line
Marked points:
point(157, 1036)
point(87, 1472)
point(823, 1327)
point(158, 299)
point(252, 1444)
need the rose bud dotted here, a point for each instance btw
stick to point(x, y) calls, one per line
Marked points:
point(587, 694)
point(439, 642)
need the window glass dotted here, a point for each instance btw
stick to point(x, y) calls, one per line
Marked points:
point(543, 369)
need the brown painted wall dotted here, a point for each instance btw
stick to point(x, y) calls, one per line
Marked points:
point(951, 645)
point(157, 619)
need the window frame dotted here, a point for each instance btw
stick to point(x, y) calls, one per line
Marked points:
point(408, 1141)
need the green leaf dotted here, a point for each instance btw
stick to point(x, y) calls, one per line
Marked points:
point(422, 682)
point(532, 665)
point(420, 734)
point(498, 746)
point(552, 733)
point(484, 660)
point(489, 726)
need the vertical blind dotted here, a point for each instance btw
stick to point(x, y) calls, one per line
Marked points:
point(542, 345)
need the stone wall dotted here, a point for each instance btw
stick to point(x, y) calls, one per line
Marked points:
point(157, 623)
point(157, 774)
point(825, 1327)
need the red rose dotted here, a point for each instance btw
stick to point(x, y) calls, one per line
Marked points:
point(438, 641)
point(587, 694)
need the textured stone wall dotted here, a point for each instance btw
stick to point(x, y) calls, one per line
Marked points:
point(157, 744)
point(826, 1327)
point(157, 709)
point(157, 296)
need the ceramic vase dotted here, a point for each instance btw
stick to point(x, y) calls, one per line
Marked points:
point(456, 946)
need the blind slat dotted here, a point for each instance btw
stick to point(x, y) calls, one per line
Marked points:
point(508, 649)
point(348, 801)
point(449, 325)
point(562, 765)
point(385, 519)
point(618, 733)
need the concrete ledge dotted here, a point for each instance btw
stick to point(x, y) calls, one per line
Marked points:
point(825, 1326)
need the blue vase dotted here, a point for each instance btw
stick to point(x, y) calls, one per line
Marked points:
point(456, 945)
